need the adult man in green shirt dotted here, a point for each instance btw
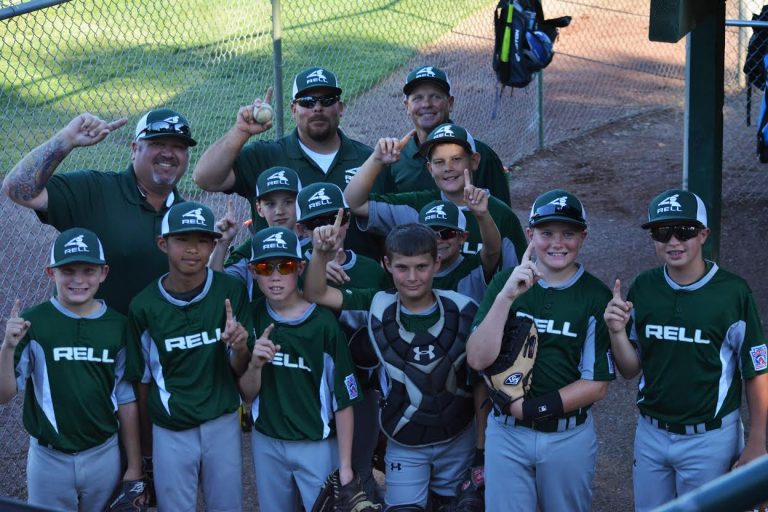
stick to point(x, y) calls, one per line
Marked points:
point(428, 104)
point(316, 149)
point(124, 209)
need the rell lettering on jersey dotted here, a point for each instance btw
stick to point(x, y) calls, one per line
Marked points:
point(192, 341)
point(282, 359)
point(471, 248)
point(544, 325)
point(673, 333)
point(81, 354)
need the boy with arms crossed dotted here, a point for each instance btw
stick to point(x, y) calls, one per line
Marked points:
point(190, 331)
point(301, 399)
point(544, 446)
point(451, 158)
point(416, 336)
point(70, 355)
point(692, 330)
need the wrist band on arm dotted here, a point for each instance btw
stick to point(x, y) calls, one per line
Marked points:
point(543, 407)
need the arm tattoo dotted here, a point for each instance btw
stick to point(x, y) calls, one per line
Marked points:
point(27, 180)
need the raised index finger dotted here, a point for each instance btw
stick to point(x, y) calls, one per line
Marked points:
point(268, 95)
point(405, 139)
point(337, 222)
point(467, 179)
point(118, 123)
point(528, 253)
point(617, 289)
point(15, 309)
point(230, 209)
point(228, 309)
point(267, 331)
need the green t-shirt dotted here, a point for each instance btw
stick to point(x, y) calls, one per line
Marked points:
point(308, 380)
point(385, 211)
point(465, 275)
point(410, 173)
point(258, 156)
point(180, 352)
point(110, 205)
point(696, 343)
point(573, 338)
point(71, 369)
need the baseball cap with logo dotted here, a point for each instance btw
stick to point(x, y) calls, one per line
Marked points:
point(277, 178)
point(443, 214)
point(557, 205)
point(317, 199)
point(676, 205)
point(76, 245)
point(448, 133)
point(164, 123)
point(427, 74)
point(312, 78)
point(275, 242)
point(188, 217)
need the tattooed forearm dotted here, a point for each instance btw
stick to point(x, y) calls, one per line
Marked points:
point(28, 178)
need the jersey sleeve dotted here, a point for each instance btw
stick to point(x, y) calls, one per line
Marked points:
point(355, 305)
point(23, 362)
point(70, 195)
point(596, 361)
point(137, 367)
point(754, 354)
point(123, 391)
point(384, 216)
point(346, 388)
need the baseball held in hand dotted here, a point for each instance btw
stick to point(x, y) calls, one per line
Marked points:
point(262, 114)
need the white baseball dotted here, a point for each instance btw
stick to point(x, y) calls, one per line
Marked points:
point(262, 114)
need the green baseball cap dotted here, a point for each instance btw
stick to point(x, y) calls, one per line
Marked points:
point(188, 217)
point(448, 133)
point(275, 242)
point(318, 199)
point(164, 123)
point(427, 74)
point(77, 245)
point(557, 206)
point(676, 205)
point(277, 178)
point(443, 214)
point(313, 78)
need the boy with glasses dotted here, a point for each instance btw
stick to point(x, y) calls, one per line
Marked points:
point(543, 448)
point(451, 159)
point(318, 150)
point(693, 333)
point(191, 332)
point(301, 381)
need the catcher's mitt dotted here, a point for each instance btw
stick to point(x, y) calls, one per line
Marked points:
point(508, 378)
point(131, 497)
point(349, 498)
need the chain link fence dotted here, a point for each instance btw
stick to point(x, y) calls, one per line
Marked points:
point(206, 58)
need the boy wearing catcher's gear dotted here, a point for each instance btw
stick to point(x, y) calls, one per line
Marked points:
point(301, 381)
point(70, 355)
point(544, 445)
point(190, 330)
point(416, 337)
point(693, 333)
point(452, 158)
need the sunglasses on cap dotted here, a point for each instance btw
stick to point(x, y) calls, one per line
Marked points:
point(311, 101)
point(446, 233)
point(551, 209)
point(165, 127)
point(285, 267)
point(324, 220)
point(664, 234)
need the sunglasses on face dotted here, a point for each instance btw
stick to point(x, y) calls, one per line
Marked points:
point(556, 209)
point(159, 127)
point(664, 234)
point(324, 220)
point(446, 233)
point(285, 267)
point(311, 101)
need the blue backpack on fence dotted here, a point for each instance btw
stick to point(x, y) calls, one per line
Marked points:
point(523, 41)
point(755, 68)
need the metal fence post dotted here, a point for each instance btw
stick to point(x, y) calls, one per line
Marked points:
point(540, 106)
point(277, 61)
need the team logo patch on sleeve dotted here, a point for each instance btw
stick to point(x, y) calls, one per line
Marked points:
point(759, 357)
point(351, 383)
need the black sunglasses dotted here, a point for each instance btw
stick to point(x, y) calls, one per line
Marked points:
point(311, 101)
point(446, 233)
point(550, 209)
point(664, 234)
point(162, 127)
point(324, 220)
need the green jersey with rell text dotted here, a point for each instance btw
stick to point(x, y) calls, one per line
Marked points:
point(71, 370)
point(696, 343)
point(308, 380)
point(573, 337)
point(181, 352)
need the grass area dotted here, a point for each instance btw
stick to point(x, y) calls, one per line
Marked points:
point(204, 58)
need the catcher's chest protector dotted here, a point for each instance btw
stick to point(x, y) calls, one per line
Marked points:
point(430, 398)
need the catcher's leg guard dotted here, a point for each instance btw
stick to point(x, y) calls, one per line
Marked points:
point(439, 503)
